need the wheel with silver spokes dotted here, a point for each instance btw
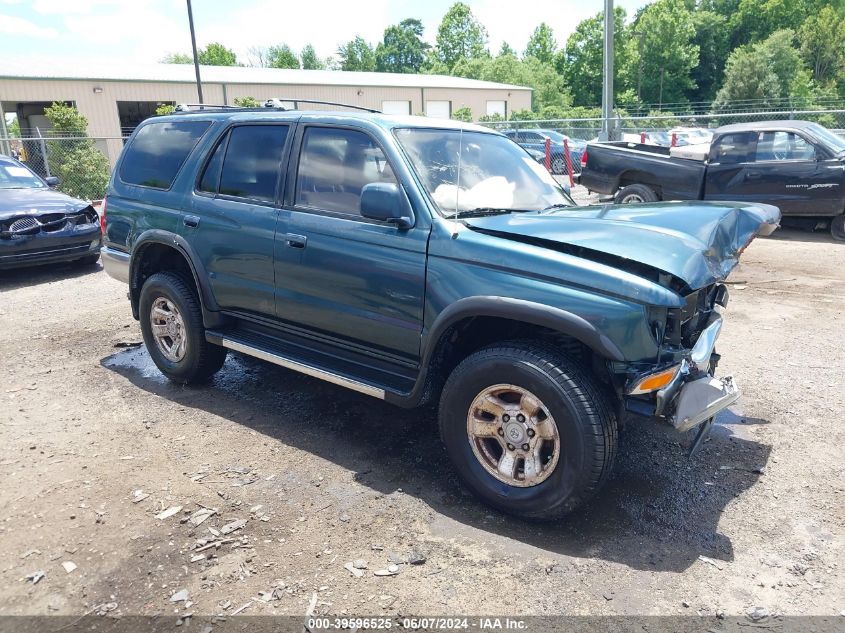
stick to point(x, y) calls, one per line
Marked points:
point(529, 430)
point(172, 326)
point(558, 165)
point(513, 435)
point(635, 194)
point(168, 329)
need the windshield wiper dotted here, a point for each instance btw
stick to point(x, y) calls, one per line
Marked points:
point(483, 211)
point(558, 205)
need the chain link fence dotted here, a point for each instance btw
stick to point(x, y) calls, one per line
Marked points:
point(81, 164)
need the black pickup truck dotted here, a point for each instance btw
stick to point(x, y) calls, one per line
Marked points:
point(797, 166)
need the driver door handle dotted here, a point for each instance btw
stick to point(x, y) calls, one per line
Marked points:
point(295, 241)
point(191, 221)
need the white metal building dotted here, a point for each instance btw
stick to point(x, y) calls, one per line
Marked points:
point(115, 99)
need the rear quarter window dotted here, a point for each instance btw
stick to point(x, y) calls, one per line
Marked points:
point(158, 152)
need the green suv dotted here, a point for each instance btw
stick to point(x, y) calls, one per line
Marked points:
point(418, 260)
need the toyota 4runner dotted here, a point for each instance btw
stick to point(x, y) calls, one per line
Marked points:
point(417, 260)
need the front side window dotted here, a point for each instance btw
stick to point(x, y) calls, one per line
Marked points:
point(158, 151)
point(334, 166)
point(783, 146)
point(467, 172)
point(251, 166)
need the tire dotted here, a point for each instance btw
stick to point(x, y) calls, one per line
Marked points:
point(837, 228)
point(199, 359)
point(635, 194)
point(558, 166)
point(578, 409)
point(90, 260)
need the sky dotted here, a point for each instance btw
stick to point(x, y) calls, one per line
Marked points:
point(144, 31)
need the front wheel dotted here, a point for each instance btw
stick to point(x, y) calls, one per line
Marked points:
point(529, 431)
point(837, 228)
point(559, 165)
point(172, 327)
point(631, 194)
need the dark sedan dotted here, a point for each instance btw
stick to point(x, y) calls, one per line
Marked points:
point(39, 225)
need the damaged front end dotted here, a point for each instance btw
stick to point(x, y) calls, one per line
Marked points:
point(684, 390)
point(38, 238)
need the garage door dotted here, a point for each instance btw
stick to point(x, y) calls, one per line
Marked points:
point(497, 107)
point(438, 109)
point(396, 107)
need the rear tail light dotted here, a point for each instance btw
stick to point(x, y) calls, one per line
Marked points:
point(583, 164)
point(103, 216)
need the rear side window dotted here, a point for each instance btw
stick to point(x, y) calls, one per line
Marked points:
point(783, 146)
point(252, 163)
point(736, 148)
point(158, 151)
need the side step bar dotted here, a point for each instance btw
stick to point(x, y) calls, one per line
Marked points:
point(295, 365)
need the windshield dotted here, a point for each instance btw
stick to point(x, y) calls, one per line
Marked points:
point(836, 143)
point(15, 176)
point(555, 136)
point(467, 172)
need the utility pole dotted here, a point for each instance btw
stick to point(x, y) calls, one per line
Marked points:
point(607, 83)
point(194, 49)
point(660, 97)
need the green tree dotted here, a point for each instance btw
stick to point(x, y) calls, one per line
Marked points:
point(165, 108)
point(357, 55)
point(310, 60)
point(712, 37)
point(755, 20)
point(463, 114)
point(765, 73)
point(247, 102)
point(215, 54)
point(282, 56)
point(177, 58)
point(460, 36)
point(402, 50)
point(581, 62)
point(82, 169)
point(667, 54)
point(507, 49)
point(542, 44)
point(822, 39)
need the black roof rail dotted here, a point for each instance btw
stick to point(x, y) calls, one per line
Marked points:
point(278, 103)
point(188, 107)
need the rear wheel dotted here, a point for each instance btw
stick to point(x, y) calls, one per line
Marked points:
point(558, 165)
point(635, 193)
point(837, 228)
point(528, 430)
point(171, 323)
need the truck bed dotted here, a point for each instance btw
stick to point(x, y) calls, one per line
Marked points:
point(611, 166)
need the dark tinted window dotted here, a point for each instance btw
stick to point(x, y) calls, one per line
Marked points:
point(158, 151)
point(735, 148)
point(251, 167)
point(211, 176)
point(335, 165)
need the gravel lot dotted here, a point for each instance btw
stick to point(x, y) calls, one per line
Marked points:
point(323, 476)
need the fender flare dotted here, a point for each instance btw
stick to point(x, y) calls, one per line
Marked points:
point(503, 307)
point(180, 245)
point(520, 310)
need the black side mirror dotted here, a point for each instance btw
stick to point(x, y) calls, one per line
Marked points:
point(52, 181)
point(386, 202)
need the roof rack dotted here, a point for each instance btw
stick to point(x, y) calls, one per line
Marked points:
point(279, 103)
point(188, 107)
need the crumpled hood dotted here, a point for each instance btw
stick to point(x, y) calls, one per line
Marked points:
point(697, 242)
point(36, 201)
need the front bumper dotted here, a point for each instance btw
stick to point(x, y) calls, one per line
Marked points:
point(694, 395)
point(45, 248)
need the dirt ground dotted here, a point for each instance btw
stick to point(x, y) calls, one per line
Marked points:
point(323, 476)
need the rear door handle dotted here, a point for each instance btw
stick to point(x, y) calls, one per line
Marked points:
point(295, 241)
point(192, 221)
